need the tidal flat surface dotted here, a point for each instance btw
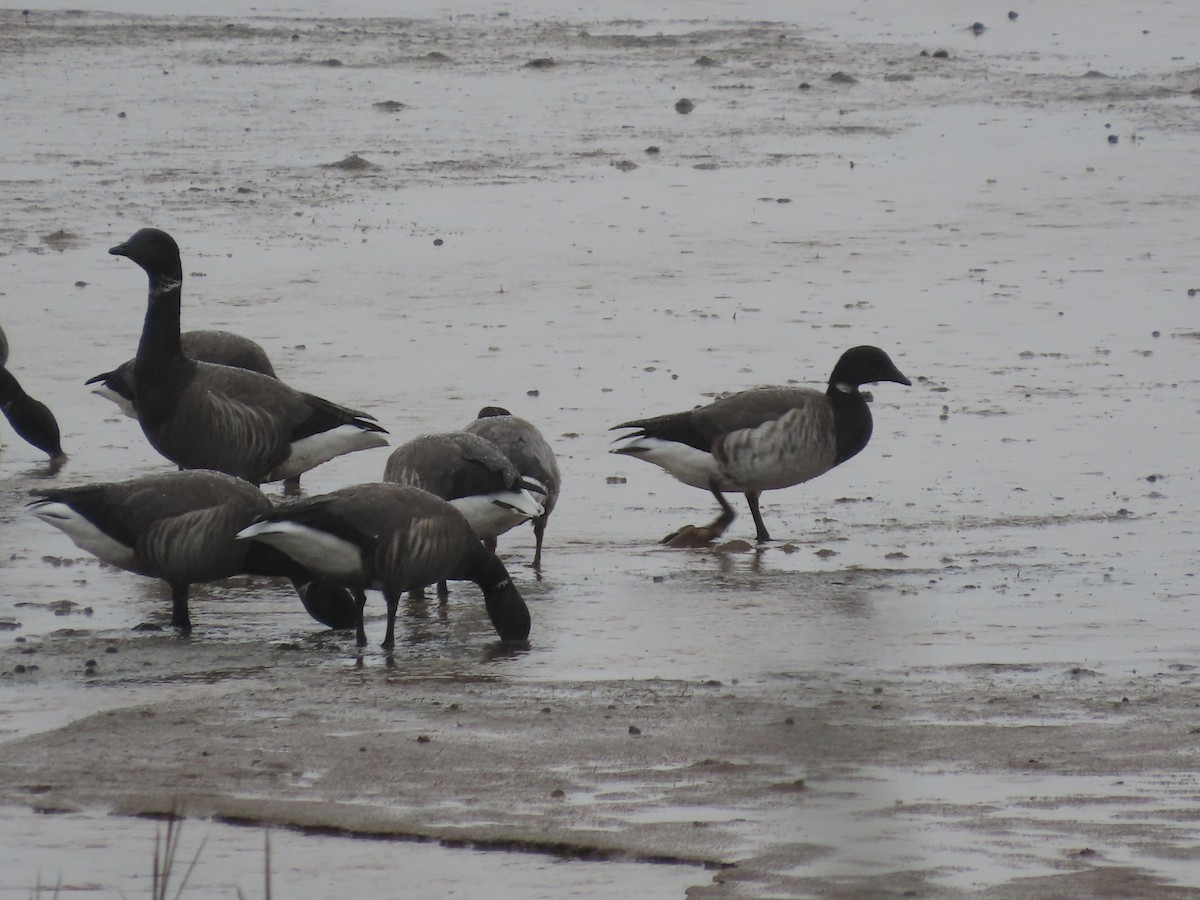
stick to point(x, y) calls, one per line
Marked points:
point(967, 665)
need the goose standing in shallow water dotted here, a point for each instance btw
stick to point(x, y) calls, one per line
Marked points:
point(221, 347)
point(525, 447)
point(31, 419)
point(204, 416)
point(762, 439)
point(180, 527)
point(393, 538)
point(471, 474)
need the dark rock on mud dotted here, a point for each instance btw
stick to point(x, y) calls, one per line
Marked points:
point(352, 163)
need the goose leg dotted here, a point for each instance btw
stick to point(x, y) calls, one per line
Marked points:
point(752, 500)
point(393, 604)
point(180, 620)
point(360, 604)
point(443, 591)
point(539, 529)
point(702, 535)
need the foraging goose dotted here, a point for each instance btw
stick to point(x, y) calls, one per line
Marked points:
point(31, 419)
point(762, 439)
point(525, 447)
point(204, 416)
point(393, 538)
point(221, 347)
point(472, 474)
point(180, 527)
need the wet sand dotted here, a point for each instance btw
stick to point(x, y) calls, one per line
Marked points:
point(966, 667)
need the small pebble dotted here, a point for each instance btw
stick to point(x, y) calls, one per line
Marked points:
point(684, 106)
point(634, 730)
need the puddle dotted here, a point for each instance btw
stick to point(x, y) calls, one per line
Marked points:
point(90, 854)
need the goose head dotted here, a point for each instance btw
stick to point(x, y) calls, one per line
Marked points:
point(865, 365)
point(155, 251)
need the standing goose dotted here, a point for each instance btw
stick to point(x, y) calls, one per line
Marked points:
point(31, 419)
point(472, 474)
point(762, 439)
point(525, 447)
point(393, 538)
point(180, 527)
point(221, 347)
point(205, 416)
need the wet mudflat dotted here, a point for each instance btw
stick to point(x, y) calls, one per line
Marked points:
point(967, 664)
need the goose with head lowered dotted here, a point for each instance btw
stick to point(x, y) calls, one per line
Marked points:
point(221, 347)
point(762, 439)
point(205, 416)
point(532, 456)
point(180, 527)
point(472, 475)
point(31, 419)
point(396, 539)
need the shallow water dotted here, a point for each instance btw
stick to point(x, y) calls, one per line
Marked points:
point(974, 644)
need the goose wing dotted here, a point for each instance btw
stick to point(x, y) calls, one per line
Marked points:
point(430, 548)
point(195, 546)
point(524, 445)
point(699, 427)
point(243, 422)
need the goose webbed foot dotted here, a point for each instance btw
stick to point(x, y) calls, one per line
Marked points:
point(703, 535)
point(693, 536)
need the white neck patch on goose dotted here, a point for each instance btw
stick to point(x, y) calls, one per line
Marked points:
point(166, 285)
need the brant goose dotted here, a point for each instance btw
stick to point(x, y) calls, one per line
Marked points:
point(221, 347)
point(393, 538)
point(762, 439)
point(180, 527)
point(31, 419)
point(472, 474)
point(525, 447)
point(205, 416)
